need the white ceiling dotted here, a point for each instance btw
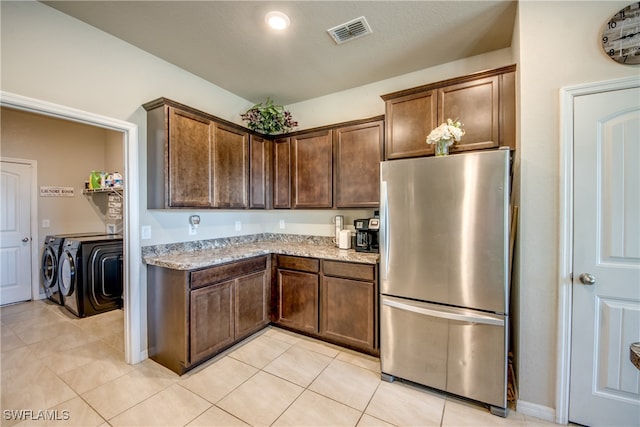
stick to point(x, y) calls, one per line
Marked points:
point(229, 44)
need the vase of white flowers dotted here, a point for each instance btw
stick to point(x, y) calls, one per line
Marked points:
point(269, 118)
point(445, 135)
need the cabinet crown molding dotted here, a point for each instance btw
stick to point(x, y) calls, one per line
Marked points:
point(449, 82)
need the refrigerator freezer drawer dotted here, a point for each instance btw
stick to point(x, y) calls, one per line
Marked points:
point(460, 351)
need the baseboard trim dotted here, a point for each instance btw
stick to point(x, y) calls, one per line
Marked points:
point(533, 409)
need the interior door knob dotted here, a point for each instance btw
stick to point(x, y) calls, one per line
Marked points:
point(26, 239)
point(587, 279)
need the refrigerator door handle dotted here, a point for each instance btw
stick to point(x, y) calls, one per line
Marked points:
point(384, 229)
point(421, 309)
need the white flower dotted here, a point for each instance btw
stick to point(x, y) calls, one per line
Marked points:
point(449, 132)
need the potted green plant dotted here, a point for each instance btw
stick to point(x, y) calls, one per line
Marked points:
point(268, 118)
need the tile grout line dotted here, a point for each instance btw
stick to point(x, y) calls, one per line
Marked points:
point(303, 388)
point(229, 353)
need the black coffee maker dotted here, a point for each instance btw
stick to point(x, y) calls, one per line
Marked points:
point(367, 233)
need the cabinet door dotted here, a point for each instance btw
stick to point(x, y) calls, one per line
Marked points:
point(251, 301)
point(347, 311)
point(358, 156)
point(476, 105)
point(298, 300)
point(259, 173)
point(211, 320)
point(188, 168)
point(409, 120)
point(282, 173)
point(312, 170)
point(230, 162)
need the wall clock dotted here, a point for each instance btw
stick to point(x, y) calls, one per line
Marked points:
point(621, 35)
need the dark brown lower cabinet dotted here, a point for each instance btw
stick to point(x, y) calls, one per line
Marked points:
point(347, 311)
point(193, 315)
point(298, 300)
point(348, 304)
point(332, 300)
point(298, 292)
point(212, 320)
point(251, 303)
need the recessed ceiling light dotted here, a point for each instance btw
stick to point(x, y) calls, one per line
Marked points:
point(277, 20)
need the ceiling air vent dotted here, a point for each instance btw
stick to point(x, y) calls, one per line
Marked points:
point(350, 30)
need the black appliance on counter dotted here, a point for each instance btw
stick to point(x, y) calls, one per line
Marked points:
point(367, 231)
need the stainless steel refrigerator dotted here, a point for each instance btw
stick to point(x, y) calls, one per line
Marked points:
point(444, 249)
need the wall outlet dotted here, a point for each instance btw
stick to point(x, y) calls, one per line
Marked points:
point(281, 224)
point(46, 223)
point(238, 225)
point(145, 232)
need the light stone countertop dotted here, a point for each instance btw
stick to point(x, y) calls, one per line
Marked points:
point(195, 255)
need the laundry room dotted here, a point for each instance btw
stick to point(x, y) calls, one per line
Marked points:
point(67, 155)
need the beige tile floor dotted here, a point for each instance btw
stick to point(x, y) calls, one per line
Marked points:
point(73, 370)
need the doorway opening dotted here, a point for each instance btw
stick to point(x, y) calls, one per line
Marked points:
point(133, 350)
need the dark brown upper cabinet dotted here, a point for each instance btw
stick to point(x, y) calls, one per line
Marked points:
point(230, 167)
point(475, 104)
point(282, 173)
point(484, 102)
point(259, 172)
point(312, 170)
point(194, 160)
point(410, 118)
point(186, 174)
point(358, 152)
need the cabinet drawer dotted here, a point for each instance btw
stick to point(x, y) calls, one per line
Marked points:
point(299, 263)
point(349, 270)
point(227, 271)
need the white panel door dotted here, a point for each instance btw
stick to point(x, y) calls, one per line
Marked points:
point(15, 232)
point(605, 386)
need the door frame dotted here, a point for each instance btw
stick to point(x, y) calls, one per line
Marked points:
point(565, 228)
point(33, 233)
point(133, 350)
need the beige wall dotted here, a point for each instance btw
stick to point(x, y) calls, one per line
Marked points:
point(365, 101)
point(66, 153)
point(114, 152)
point(559, 46)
